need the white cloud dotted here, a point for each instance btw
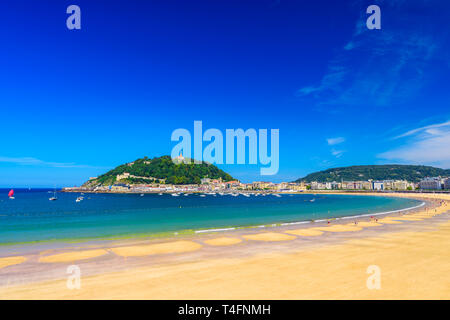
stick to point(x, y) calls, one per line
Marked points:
point(30, 161)
point(429, 145)
point(334, 141)
point(337, 153)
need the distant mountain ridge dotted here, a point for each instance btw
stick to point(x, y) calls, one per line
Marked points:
point(411, 173)
point(159, 170)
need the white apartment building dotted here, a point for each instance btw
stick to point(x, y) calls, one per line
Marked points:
point(434, 183)
point(447, 183)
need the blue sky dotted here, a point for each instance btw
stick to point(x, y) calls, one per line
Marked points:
point(77, 103)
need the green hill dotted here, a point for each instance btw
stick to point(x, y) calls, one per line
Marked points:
point(376, 172)
point(159, 170)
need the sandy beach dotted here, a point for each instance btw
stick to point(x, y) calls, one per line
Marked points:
point(327, 260)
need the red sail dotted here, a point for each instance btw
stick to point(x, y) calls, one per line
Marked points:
point(11, 193)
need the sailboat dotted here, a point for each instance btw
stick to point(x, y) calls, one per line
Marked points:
point(54, 196)
point(11, 194)
point(276, 195)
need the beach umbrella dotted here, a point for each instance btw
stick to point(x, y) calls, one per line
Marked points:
point(11, 193)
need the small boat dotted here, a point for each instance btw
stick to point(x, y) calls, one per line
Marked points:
point(175, 195)
point(312, 200)
point(203, 195)
point(160, 194)
point(54, 196)
point(245, 195)
point(79, 199)
point(11, 194)
point(276, 195)
point(142, 194)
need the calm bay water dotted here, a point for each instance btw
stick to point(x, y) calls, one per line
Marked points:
point(32, 217)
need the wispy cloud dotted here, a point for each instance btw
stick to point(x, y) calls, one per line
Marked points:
point(334, 141)
point(428, 145)
point(337, 153)
point(376, 67)
point(30, 161)
point(430, 129)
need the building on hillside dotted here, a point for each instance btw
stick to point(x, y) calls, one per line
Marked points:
point(328, 185)
point(294, 186)
point(347, 185)
point(396, 184)
point(401, 185)
point(378, 185)
point(352, 185)
point(120, 187)
point(122, 176)
point(367, 185)
point(205, 181)
point(428, 183)
point(359, 185)
point(232, 184)
point(315, 185)
point(447, 183)
point(388, 184)
point(180, 159)
point(260, 185)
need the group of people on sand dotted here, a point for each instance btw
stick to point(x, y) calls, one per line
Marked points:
point(372, 219)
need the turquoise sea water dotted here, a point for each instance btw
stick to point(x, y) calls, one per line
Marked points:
point(32, 217)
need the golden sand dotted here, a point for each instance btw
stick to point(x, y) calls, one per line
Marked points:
point(223, 241)
point(340, 228)
point(420, 215)
point(389, 221)
point(159, 248)
point(413, 265)
point(310, 232)
point(9, 261)
point(368, 224)
point(407, 218)
point(73, 256)
point(269, 236)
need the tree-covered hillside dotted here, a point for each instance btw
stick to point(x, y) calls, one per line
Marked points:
point(160, 169)
point(376, 172)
